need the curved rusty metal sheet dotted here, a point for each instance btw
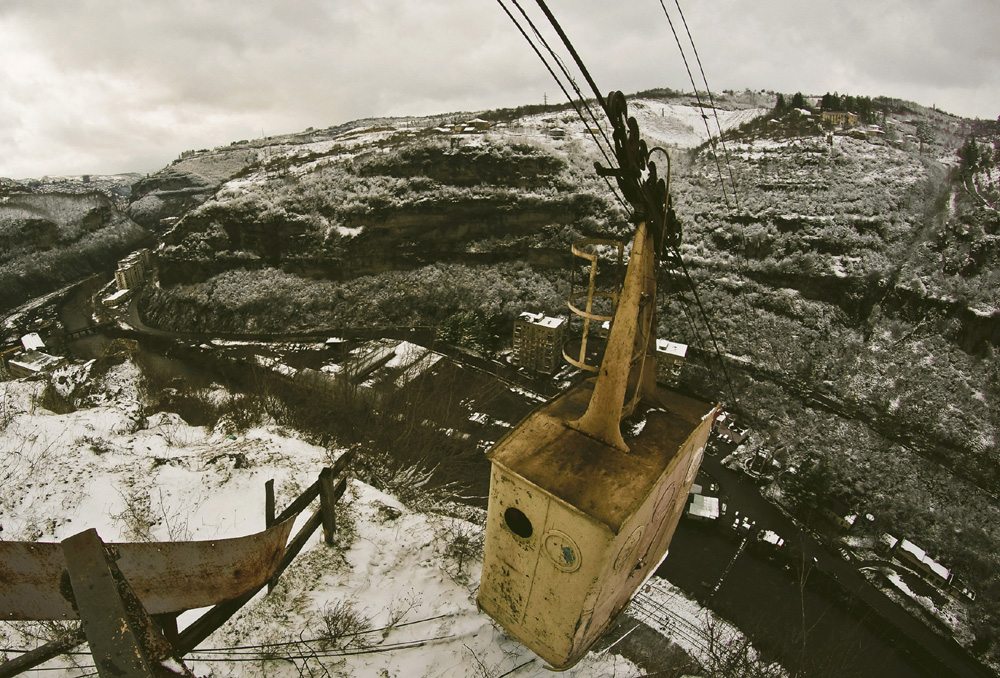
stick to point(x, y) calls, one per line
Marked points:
point(168, 577)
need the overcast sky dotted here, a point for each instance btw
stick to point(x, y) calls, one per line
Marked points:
point(106, 86)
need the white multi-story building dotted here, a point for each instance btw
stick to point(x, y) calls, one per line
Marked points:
point(670, 357)
point(134, 269)
point(538, 341)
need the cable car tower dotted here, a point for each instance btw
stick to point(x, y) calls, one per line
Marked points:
point(587, 490)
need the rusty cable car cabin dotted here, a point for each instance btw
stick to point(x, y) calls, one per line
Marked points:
point(580, 514)
point(575, 526)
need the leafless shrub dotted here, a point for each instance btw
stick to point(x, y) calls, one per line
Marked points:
point(136, 517)
point(7, 410)
point(97, 444)
point(342, 626)
point(175, 521)
point(732, 655)
point(139, 516)
point(398, 609)
point(243, 411)
point(460, 544)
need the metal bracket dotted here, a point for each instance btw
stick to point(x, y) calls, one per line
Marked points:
point(638, 178)
point(124, 640)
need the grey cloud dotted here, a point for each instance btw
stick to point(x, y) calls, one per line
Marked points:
point(147, 80)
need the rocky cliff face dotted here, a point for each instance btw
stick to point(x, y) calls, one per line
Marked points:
point(49, 239)
point(168, 193)
point(408, 203)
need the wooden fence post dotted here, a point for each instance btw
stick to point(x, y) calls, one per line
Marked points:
point(328, 504)
point(269, 516)
point(269, 503)
point(124, 641)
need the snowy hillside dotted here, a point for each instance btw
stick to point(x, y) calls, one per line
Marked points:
point(395, 596)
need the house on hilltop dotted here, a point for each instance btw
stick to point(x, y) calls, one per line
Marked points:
point(843, 118)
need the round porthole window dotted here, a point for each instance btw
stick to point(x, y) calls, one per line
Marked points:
point(562, 550)
point(518, 522)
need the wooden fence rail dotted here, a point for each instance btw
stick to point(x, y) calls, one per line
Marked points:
point(155, 637)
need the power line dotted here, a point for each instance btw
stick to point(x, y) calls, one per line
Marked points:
point(317, 640)
point(573, 52)
point(586, 73)
point(239, 657)
point(562, 87)
point(572, 81)
point(728, 160)
point(753, 326)
point(708, 325)
point(711, 100)
point(701, 107)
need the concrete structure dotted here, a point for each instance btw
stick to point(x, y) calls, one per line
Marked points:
point(701, 507)
point(842, 515)
point(670, 357)
point(842, 118)
point(538, 341)
point(117, 298)
point(727, 426)
point(30, 363)
point(134, 269)
point(910, 553)
point(886, 544)
point(770, 538)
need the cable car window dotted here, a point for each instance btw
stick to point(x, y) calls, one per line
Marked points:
point(518, 522)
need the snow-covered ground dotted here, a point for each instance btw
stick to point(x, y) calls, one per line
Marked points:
point(131, 478)
point(664, 124)
point(403, 582)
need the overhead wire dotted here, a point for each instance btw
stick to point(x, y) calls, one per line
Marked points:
point(752, 326)
point(576, 57)
point(711, 100)
point(599, 97)
point(728, 161)
point(317, 640)
point(538, 52)
point(701, 107)
point(253, 652)
point(572, 82)
point(708, 325)
point(590, 80)
point(238, 657)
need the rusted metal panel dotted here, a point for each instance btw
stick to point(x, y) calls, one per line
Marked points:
point(168, 577)
point(30, 578)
